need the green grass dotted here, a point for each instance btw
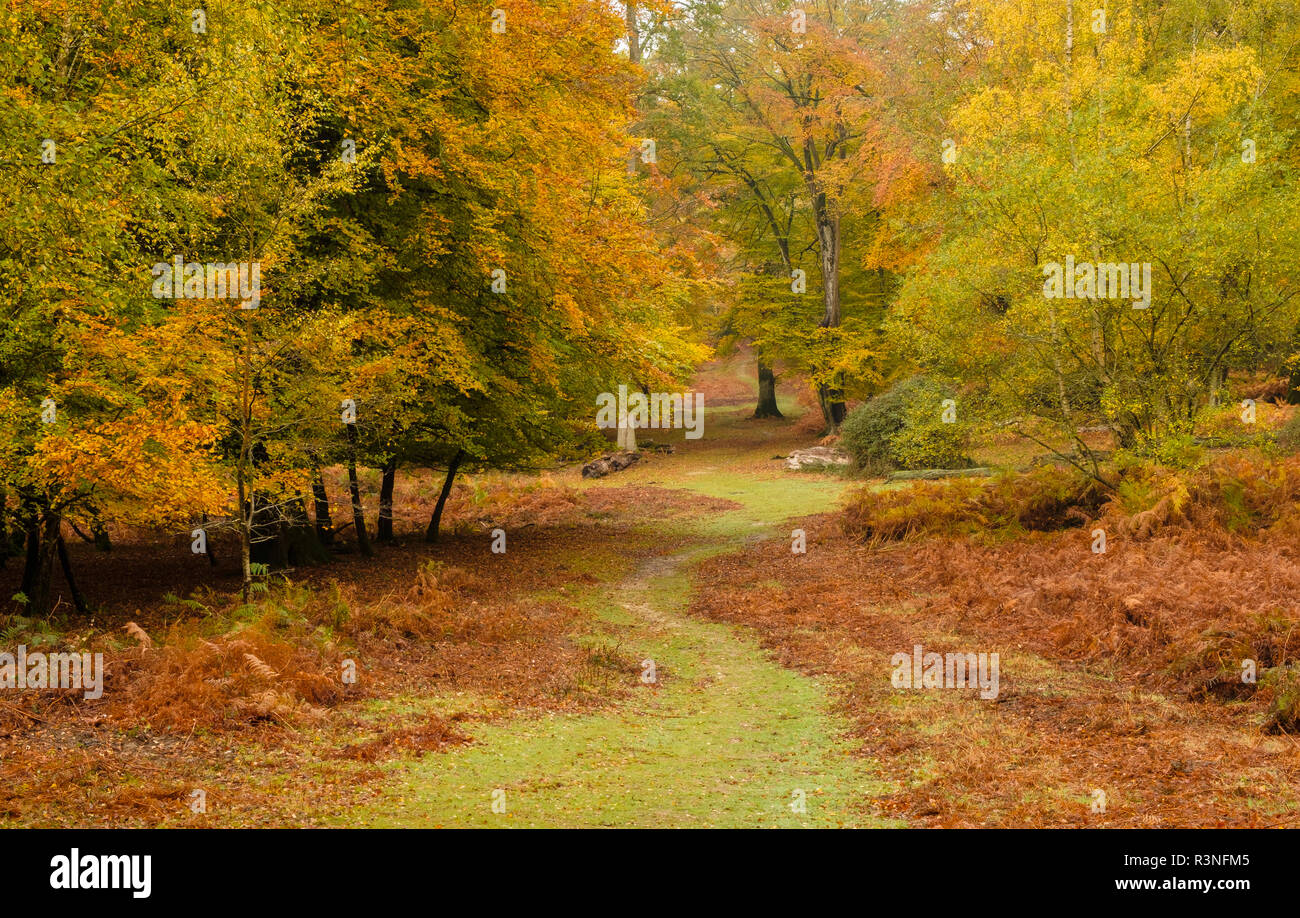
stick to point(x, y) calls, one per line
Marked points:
point(727, 738)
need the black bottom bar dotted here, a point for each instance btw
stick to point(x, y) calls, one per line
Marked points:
point(655, 870)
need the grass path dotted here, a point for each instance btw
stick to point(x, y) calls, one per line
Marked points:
point(725, 738)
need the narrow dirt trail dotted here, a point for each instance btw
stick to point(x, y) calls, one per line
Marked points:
point(724, 737)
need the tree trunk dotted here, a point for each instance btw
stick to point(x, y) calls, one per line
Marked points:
point(207, 543)
point(832, 405)
point(385, 533)
point(1061, 395)
point(627, 435)
point(284, 536)
point(244, 467)
point(633, 33)
point(828, 241)
point(31, 557)
point(321, 498)
point(431, 534)
point(267, 543)
point(42, 543)
point(634, 57)
point(1217, 378)
point(830, 397)
point(766, 392)
point(100, 533)
point(78, 601)
point(245, 539)
point(246, 570)
point(6, 535)
point(627, 438)
point(354, 489)
point(302, 542)
point(1293, 378)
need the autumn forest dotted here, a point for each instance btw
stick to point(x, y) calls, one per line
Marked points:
point(685, 413)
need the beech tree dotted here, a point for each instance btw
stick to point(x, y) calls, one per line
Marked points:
point(771, 103)
point(1112, 147)
point(446, 239)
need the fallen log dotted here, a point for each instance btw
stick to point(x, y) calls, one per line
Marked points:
point(928, 474)
point(613, 462)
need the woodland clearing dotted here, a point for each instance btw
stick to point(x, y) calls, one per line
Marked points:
point(771, 702)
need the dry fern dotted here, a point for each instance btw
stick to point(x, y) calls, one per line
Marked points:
point(260, 668)
point(143, 639)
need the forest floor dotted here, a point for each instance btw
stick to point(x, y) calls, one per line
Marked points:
point(648, 651)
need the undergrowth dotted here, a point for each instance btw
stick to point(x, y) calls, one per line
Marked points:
point(1198, 578)
point(1236, 493)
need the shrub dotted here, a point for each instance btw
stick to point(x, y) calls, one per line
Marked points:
point(903, 428)
point(249, 674)
point(1046, 499)
point(1283, 682)
point(869, 428)
point(1288, 435)
point(1177, 450)
point(1235, 493)
point(926, 442)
